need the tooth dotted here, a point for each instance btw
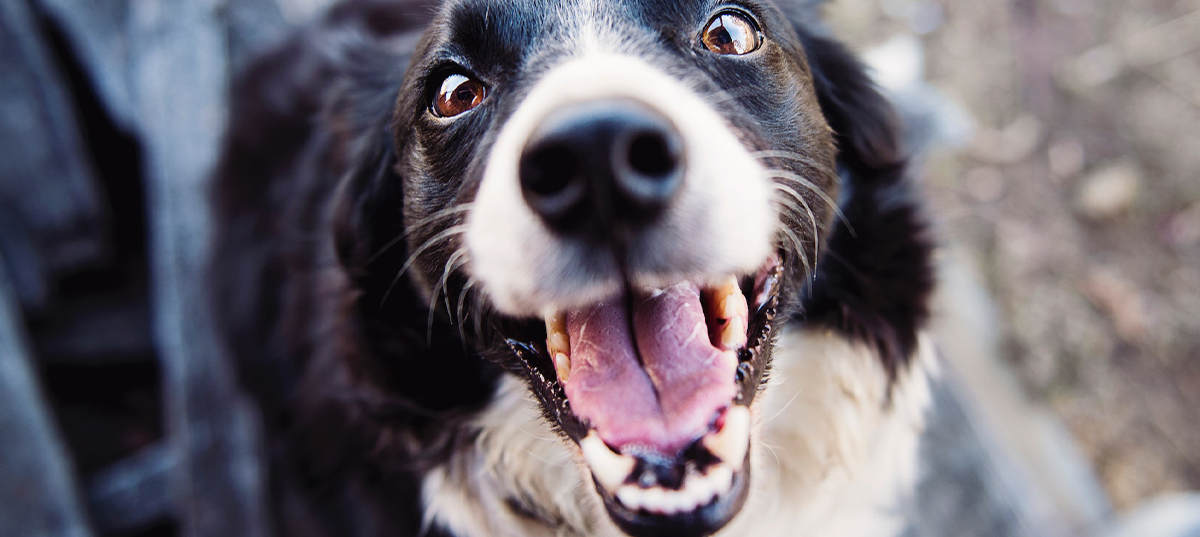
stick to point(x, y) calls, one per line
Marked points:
point(562, 366)
point(692, 495)
point(557, 340)
point(730, 301)
point(630, 497)
point(654, 499)
point(731, 442)
point(721, 477)
point(611, 469)
point(725, 303)
point(733, 335)
point(701, 491)
point(674, 502)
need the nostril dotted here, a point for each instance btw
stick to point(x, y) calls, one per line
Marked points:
point(552, 182)
point(617, 161)
point(549, 171)
point(651, 155)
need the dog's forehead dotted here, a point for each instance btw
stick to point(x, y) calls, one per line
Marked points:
point(515, 30)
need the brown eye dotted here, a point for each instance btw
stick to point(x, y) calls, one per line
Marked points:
point(458, 94)
point(731, 33)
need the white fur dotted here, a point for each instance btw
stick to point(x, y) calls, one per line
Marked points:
point(721, 222)
point(832, 456)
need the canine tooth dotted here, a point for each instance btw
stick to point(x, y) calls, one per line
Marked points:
point(562, 366)
point(731, 442)
point(733, 334)
point(610, 468)
point(725, 303)
point(557, 340)
point(732, 303)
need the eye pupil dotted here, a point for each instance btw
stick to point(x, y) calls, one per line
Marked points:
point(457, 94)
point(721, 37)
point(731, 33)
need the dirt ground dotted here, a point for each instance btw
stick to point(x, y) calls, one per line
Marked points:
point(1077, 196)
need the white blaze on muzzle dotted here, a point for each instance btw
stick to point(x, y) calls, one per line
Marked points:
point(720, 222)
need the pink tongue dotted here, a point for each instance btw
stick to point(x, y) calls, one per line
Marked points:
point(670, 403)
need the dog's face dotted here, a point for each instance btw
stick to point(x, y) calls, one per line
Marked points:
point(627, 195)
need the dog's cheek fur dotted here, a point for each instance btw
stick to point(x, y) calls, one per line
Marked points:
point(875, 287)
point(306, 195)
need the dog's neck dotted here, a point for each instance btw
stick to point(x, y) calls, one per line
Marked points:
point(835, 453)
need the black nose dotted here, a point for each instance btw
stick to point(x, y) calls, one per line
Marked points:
point(596, 167)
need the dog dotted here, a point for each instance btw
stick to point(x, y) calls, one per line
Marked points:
point(575, 267)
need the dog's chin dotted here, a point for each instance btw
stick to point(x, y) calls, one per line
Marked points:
point(706, 519)
point(655, 389)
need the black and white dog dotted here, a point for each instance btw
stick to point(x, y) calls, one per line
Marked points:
point(575, 267)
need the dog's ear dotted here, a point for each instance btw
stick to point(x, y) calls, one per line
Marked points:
point(863, 121)
point(876, 282)
point(366, 212)
point(361, 219)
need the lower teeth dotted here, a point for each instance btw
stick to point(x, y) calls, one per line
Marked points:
point(697, 491)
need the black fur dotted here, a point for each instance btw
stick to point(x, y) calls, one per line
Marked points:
point(360, 393)
point(874, 283)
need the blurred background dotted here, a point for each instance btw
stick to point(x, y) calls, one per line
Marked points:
point(1068, 184)
point(1058, 144)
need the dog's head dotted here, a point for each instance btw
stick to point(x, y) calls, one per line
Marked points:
point(624, 200)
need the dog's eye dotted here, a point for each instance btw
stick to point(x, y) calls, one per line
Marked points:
point(731, 32)
point(458, 94)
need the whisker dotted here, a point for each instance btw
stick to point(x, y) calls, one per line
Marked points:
point(539, 457)
point(447, 233)
point(478, 318)
point(800, 249)
point(462, 298)
point(785, 407)
point(536, 437)
point(808, 185)
point(773, 453)
point(451, 264)
point(424, 222)
point(457, 260)
point(811, 218)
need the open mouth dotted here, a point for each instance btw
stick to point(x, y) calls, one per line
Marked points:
point(659, 404)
